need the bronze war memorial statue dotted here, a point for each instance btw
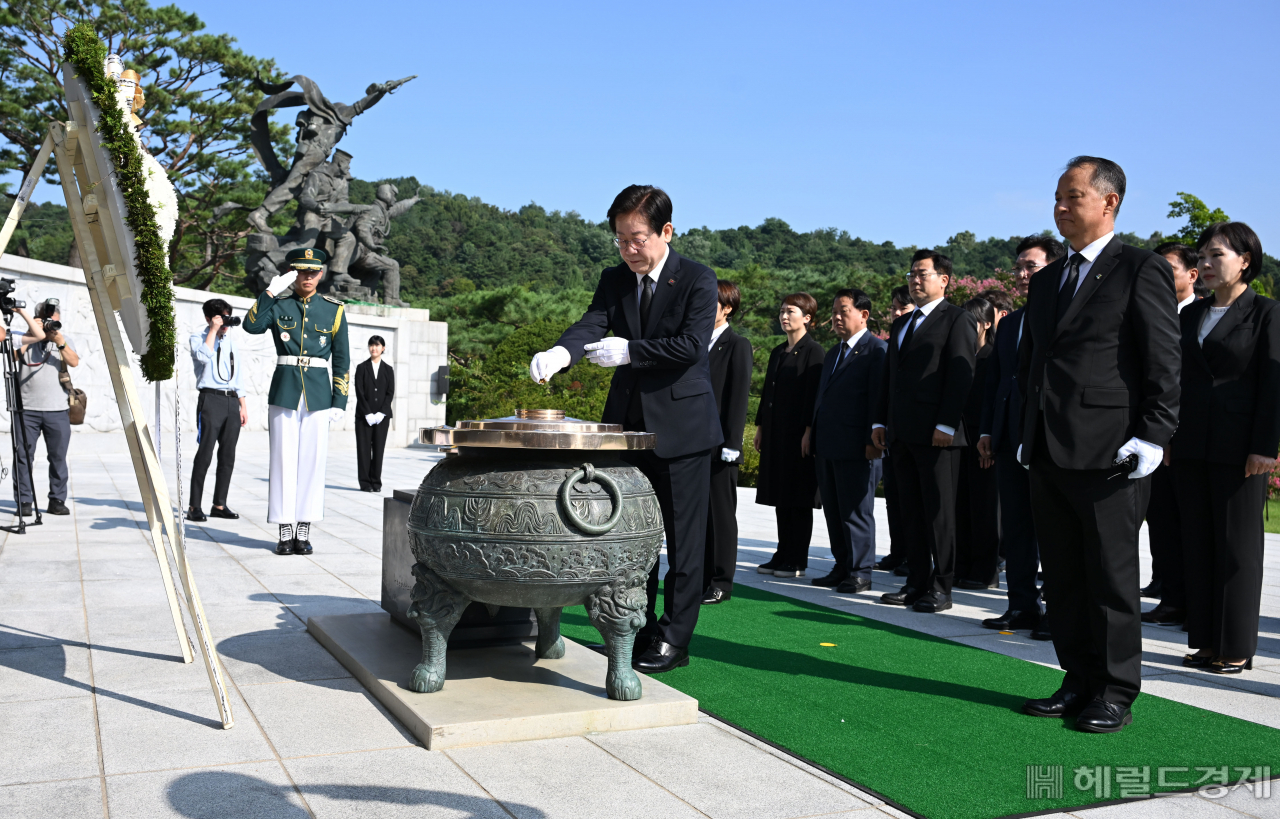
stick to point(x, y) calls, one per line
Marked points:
point(318, 181)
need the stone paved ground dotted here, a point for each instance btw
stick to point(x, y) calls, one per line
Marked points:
point(98, 717)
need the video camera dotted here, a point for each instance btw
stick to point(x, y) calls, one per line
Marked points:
point(46, 315)
point(7, 302)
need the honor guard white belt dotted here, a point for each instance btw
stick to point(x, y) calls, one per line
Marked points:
point(302, 361)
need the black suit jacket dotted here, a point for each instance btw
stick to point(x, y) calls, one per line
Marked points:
point(730, 362)
point(1231, 385)
point(668, 362)
point(374, 394)
point(928, 383)
point(1109, 371)
point(1002, 403)
point(846, 398)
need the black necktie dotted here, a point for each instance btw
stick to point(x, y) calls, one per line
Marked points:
point(1068, 291)
point(911, 328)
point(646, 301)
point(844, 348)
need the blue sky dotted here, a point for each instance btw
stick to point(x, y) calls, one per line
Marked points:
point(898, 121)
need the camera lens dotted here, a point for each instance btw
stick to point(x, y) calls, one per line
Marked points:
point(231, 321)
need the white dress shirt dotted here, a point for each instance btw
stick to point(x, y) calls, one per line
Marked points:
point(652, 274)
point(716, 332)
point(922, 312)
point(853, 339)
point(1186, 301)
point(374, 365)
point(1090, 254)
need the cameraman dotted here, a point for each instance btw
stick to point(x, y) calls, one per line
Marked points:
point(45, 409)
point(220, 410)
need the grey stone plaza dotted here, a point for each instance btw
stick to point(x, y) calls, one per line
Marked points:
point(99, 718)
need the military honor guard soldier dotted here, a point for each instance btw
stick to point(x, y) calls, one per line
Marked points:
point(308, 390)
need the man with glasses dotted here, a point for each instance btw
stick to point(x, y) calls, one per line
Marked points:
point(220, 409)
point(1001, 432)
point(661, 309)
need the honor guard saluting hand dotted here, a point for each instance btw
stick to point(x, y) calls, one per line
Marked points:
point(309, 389)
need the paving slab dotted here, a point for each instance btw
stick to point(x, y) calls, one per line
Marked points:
point(1171, 807)
point(323, 717)
point(399, 783)
point(47, 673)
point(260, 791)
point(44, 800)
point(278, 655)
point(497, 694)
point(46, 740)
point(38, 571)
point(37, 629)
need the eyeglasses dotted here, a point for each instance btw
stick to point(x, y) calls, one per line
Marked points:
point(1029, 267)
point(634, 244)
point(921, 276)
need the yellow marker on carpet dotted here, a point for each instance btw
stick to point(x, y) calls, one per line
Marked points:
point(1006, 632)
point(828, 645)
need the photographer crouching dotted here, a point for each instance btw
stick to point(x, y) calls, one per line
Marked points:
point(220, 411)
point(43, 356)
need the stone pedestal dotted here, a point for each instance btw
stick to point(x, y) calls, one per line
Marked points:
point(353, 292)
point(494, 694)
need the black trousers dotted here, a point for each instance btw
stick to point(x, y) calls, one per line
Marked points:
point(720, 559)
point(1164, 528)
point(681, 486)
point(370, 443)
point(927, 477)
point(848, 488)
point(1017, 530)
point(1222, 550)
point(218, 417)
point(795, 530)
point(977, 538)
point(1087, 522)
point(893, 507)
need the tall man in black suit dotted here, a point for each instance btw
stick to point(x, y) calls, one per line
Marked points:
point(848, 463)
point(660, 308)
point(1000, 436)
point(1099, 370)
point(923, 389)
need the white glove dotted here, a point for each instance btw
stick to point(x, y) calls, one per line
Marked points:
point(1149, 457)
point(281, 283)
point(336, 415)
point(380, 417)
point(371, 419)
point(1019, 457)
point(729, 455)
point(609, 352)
point(545, 365)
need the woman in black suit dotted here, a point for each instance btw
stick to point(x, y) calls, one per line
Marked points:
point(375, 389)
point(730, 361)
point(977, 538)
point(788, 480)
point(1226, 443)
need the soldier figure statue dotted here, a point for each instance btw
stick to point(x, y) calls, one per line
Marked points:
point(308, 392)
point(362, 248)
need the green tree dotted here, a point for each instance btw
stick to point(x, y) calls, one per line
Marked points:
point(1198, 217)
point(200, 95)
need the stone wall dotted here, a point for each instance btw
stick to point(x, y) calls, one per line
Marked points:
point(416, 347)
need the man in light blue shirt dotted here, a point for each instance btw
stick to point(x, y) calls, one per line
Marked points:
point(220, 410)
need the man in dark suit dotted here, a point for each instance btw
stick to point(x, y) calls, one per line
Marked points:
point(1000, 428)
point(1099, 369)
point(896, 561)
point(847, 462)
point(730, 361)
point(660, 308)
point(919, 412)
point(375, 393)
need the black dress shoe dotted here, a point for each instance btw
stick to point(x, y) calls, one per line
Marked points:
point(714, 595)
point(1012, 620)
point(932, 603)
point(767, 567)
point(195, 515)
point(854, 585)
point(906, 596)
point(902, 570)
point(1197, 660)
point(787, 570)
point(26, 510)
point(1061, 704)
point(1224, 667)
point(1165, 615)
point(831, 580)
point(1041, 632)
point(57, 507)
point(888, 563)
point(977, 584)
point(284, 547)
point(1102, 717)
point(1152, 589)
point(661, 656)
point(302, 547)
point(224, 512)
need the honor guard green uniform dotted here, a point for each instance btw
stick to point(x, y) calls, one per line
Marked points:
point(308, 390)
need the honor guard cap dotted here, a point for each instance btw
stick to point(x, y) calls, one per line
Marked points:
point(307, 258)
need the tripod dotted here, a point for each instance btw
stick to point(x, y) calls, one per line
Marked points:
point(18, 436)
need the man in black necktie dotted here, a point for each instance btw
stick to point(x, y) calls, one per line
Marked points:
point(661, 309)
point(1099, 373)
point(920, 412)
